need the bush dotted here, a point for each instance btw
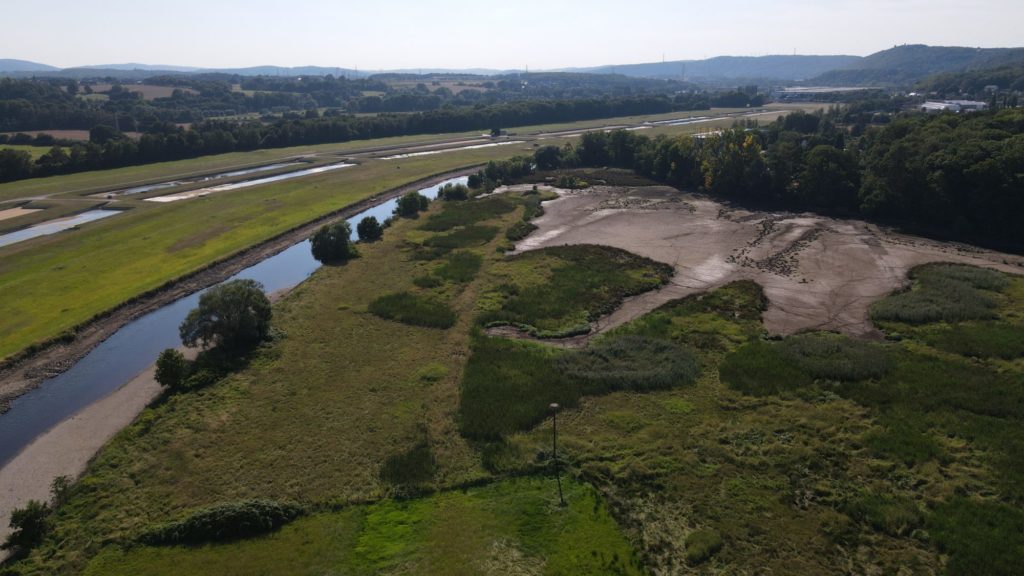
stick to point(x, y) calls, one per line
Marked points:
point(453, 192)
point(702, 545)
point(234, 314)
point(413, 468)
point(460, 267)
point(519, 230)
point(224, 522)
point(172, 368)
point(415, 310)
point(369, 230)
point(411, 204)
point(332, 243)
point(30, 524)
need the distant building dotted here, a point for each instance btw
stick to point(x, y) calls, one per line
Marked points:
point(953, 106)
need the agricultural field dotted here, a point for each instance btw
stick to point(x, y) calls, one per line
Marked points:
point(34, 151)
point(691, 442)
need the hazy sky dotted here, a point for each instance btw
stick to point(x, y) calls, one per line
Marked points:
point(375, 34)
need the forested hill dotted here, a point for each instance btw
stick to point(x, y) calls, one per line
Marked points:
point(721, 67)
point(908, 64)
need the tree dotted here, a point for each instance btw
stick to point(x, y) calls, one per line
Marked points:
point(102, 134)
point(233, 314)
point(332, 243)
point(369, 230)
point(30, 525)
point(548, 157)
point(411, 204)
point(171, 368)
point(454, 192)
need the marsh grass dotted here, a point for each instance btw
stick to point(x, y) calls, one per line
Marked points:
point(410, 469)
point(224, 522)
point(460, 267)
point(467, 213)
point(468, 237)
point(585, 283)
point(944, 293)
point(413, 309)
point(981, 537)
point(508, 385)
point(893, 515)
point(982, 340)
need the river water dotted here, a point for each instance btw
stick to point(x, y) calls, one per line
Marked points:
point(136, 345)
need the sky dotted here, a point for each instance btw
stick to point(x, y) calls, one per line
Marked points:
point(505, 34)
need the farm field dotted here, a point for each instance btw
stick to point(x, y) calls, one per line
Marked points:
point(742, 453)
point(35, 151)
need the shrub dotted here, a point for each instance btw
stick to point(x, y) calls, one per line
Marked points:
point(332, 243)
point(453, 192)
point(460, 267)
point(519, 230)
point(30, 524)
point(369, 229)
point(172, 368)
point(411, 204)
point(233, 314)
point(412, 468)
point(224, 522)
point(415, 310)
point(702, 545)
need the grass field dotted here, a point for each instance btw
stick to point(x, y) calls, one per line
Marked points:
point(512, 527)
point(34, 151)
point(53, 283)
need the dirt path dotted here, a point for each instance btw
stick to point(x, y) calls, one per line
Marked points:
point(22, 374)
point(818, 273)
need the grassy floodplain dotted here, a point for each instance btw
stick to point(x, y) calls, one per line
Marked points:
point(55, 282)
point(814, 454)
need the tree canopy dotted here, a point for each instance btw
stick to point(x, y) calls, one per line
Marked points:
point(233, 314)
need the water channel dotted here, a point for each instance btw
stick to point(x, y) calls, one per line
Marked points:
point(54, 226)
point(136, 345)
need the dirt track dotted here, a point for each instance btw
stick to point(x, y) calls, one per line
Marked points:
point(818, 273)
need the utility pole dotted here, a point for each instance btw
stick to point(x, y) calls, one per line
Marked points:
point(554, 449)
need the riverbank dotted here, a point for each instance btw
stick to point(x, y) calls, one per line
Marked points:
point(24, 373)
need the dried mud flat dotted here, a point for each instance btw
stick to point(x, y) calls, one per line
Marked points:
point(818, 273)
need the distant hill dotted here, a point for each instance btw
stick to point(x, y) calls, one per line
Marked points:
point(780, 67)
point(145, 67)
point(911, 63)
point(9, 65)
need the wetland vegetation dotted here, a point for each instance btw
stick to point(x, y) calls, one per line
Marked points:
point(692, 442)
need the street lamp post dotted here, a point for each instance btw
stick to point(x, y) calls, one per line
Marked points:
point(554, 449)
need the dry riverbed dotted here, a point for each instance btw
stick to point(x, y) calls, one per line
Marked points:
point(818, 273)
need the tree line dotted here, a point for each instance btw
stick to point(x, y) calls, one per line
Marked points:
point(951, 176)
point(167, 141)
